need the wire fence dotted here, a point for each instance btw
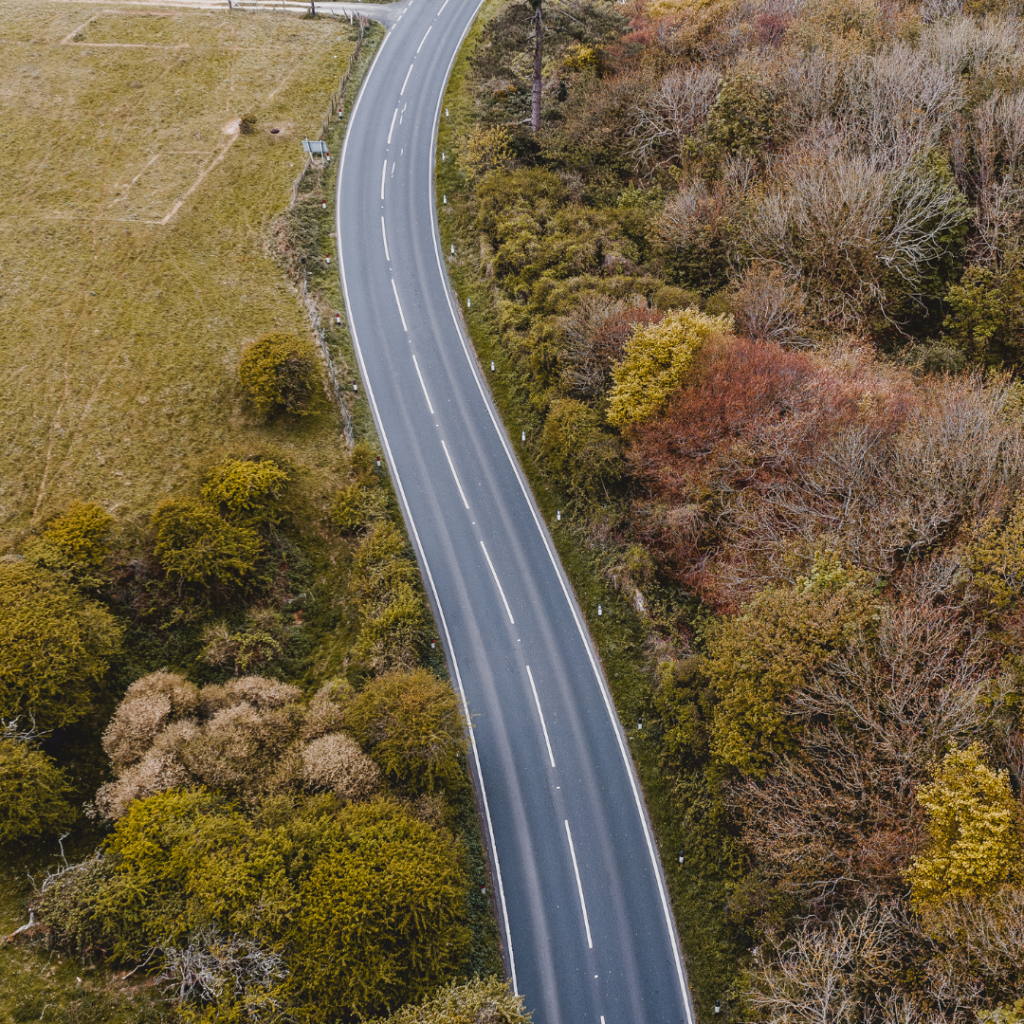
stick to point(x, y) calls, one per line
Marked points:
point(309, 300)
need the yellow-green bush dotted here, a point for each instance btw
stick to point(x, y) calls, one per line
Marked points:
point(55, 646)
point(366, 905)
point(33, 794)
point(974, 824)
point(481, 1000)
point(358, 506)
point(410, 724)
point(278, 373)
point(755, 659)
point(995, 555)
point(391, 605)
point(578, 451)
point(655, 362)
point(75, 544)
point(198, 548)
point(246, 492)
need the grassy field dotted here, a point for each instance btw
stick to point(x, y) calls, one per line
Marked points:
point(138, 228)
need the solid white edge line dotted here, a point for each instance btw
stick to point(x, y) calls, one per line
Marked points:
point(497, 583)
point(383, 178)
point(579, 885)
point(406, 82)
point(449, 647)
point(451, 466)
point(423, 40)
point(563, 581)
point(383, 231)
point(543, 724)
point(415, 362)
point(394, 116)
point(394, 288)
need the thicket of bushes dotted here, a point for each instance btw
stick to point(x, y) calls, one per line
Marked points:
point(280, 850)
point(759, 272)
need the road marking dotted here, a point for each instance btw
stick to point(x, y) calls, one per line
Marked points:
point(579, 886)
point(387, 255)
point(451, 466)
point(443, 6)
point(415, 363)
point(394, 117)
point(397, 303)
point(394, 163)
point(383, 178)
point(424, 39)
point(543, 724)
point(406, 82)
point(508, 611)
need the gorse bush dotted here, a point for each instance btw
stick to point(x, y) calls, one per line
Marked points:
point(33, 794)
point(364, 905)
point(246, 493)
point(578, 450)
point(278, 373)
point(974, 827)
point(411, 725)
point(475, 1002)
point(394, 614)
point(75, 544)
point(197, 548)
point(655, 362)
point(55, 646)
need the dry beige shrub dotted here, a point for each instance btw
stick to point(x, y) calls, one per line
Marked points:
point(326, 710)
point(158, 771)
point(261, 692)
point(769, 307)
point(148, 705)
point(335, 761)
point(224, 754)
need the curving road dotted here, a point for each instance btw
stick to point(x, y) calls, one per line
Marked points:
point(588, 933)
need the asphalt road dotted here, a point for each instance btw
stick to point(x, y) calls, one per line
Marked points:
point(588, 932)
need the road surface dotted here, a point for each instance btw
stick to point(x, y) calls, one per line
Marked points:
point(587, 928)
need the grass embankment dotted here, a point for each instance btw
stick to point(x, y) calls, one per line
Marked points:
point(147, 240)
point(698, 886)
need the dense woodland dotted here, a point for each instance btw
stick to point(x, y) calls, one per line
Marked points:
point(241, 691)
point(758, 280)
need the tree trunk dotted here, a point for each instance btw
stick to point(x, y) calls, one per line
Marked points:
point(538, 61)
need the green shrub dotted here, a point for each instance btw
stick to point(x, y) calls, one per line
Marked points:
point(33, 794)
point(974, 831)
point(410, 724)
point(755, 659)
point(198, 548)
point(655, 361)
point(358, 506)
point(55, 646)
point(365, 904)
point(278, 373)
point(246, 492)
point(75, 544)
point(475, 1002)
point(383, 916)
point(386, 585)
point(578, 451)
